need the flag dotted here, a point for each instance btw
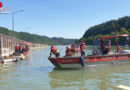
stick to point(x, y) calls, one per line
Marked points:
point(0, 4)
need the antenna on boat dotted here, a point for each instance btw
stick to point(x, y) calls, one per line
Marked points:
point(127, 43)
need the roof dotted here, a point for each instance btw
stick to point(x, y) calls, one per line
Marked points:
point(26, 43)
point(108, 37)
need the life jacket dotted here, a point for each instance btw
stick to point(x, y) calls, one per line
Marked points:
point(54, 49)
point(118, 48)
point(73, 49)
point(76, 50)
point(16, 47)
point(109, 46)
point(26, 48)
point(68, 52)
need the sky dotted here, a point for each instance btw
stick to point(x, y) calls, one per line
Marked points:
point(61, 18)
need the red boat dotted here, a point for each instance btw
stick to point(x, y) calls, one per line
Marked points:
point(94, 59)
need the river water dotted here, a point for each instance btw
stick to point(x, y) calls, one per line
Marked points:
point(37, 73)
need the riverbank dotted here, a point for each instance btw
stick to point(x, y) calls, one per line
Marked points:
point(38, 46)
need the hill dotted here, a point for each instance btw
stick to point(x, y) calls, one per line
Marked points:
point(34, 38)
point(112, 27)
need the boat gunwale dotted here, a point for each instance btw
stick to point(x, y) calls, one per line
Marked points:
point(90, 56)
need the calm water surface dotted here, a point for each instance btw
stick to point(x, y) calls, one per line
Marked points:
point(37, 73)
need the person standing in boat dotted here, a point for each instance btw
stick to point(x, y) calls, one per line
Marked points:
point(68, 51)
point(102, 47)
point(73, 52)
point(82, 48)
point(54, 51)
point(17, 49)
point(109, 45)
point(21, 48)
point(118, 49)
point(26, 48)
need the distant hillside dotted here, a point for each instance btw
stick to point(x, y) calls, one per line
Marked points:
point(62, 41)
point(36, 38)
point(113, 27)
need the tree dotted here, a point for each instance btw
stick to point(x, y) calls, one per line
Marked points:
point(123, 31)
point(112, 27)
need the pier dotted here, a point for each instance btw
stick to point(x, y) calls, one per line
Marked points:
point(7, 44)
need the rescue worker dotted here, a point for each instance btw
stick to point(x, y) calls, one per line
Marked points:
point(102, 47)
point(72, 49)
point(17, 48)
point(21, 48)
point(82, 48)
point(72, 45)
point(68, 51)
point(105, 51)
point(16, 52)
point(26, 48)
point(54, 51)
point(109, 45)
point(118, 49)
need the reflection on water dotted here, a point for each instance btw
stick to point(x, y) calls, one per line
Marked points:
point(38, 73)
point(4, 70)
point(94, 78)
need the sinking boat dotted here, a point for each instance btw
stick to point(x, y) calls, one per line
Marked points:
point(94, 59)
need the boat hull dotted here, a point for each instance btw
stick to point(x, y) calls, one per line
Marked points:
point(88, 61)
point(27, 53)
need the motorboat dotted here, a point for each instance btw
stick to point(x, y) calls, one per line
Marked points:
point(96, 58)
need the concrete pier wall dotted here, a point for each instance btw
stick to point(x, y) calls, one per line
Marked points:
point(7, 44)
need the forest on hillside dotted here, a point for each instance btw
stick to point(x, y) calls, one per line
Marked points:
point(109, 28)
point(34, 38)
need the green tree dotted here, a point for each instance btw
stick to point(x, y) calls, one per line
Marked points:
point(123, 31)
